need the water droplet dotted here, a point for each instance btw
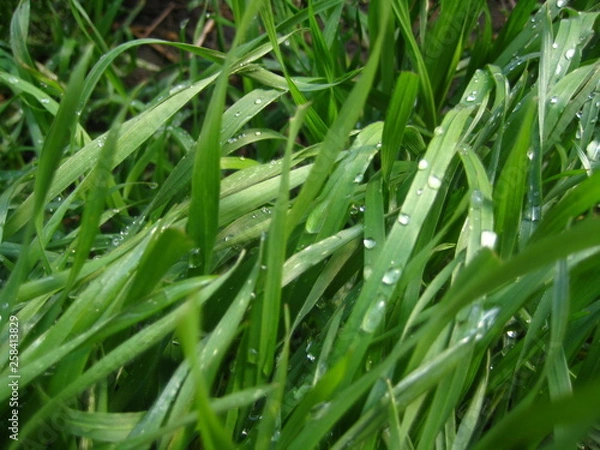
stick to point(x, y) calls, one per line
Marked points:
point(379, 145)
point(228, 237)
point(511, 334)
point(570, 53)
point(579, 114)
point(558, 69)
point(237, 114)
point(419, 191)
point(358, 178)
point(153, 185)
point(488, 238)
point(434, 182)
point(258, 101)
point(391, 276)
point(593, 150)
point(367, 271)
point(403, 219)
point(477, 197)
point(438, 131)
point(319, 410)
point(369, 243)
point(310, 357)
point(362, 208)
point(472, 96)
point(373, 316)
point(257, 133)
point(554, 99)
point(530, 154)
point(252, 355)
point(423, 164)
point(535, 213)
point(554, 45)
point(486, 320)
point(45, 100)
point(13, 80)
point(100, 142)
point(561, 3)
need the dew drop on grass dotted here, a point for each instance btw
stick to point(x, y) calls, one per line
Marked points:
point(593, 150)
point(13, 80)
point(369, 243)
point(367, 271)
point(258, 101)
point(472, 96)
point(535, 213)
point(319, 410)
point(561, 3)
point(488, 238)
point(477, 197)
point(257, 133)
point(554, 99)
point(558, 69)
point(252, 355)
point(438, 131)
point(358, 178)
point(403, 219)
point(379, 145)
point(45, 100)
point(530, 154)
point(237, 114)
point(423, 164)
point(570, 53)
point(373, 316)
point(434, 182)
point(554, 45)
point(391, 276)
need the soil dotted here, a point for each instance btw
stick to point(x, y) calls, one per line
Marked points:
point(164, 21)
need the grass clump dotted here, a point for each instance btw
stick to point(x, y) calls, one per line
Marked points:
point(332, 226)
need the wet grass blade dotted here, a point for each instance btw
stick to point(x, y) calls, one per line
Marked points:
point(275, 256)
point(397, 117)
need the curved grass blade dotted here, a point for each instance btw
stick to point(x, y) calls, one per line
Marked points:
point(335, 139)
point(275, 256)
point(397, 117)
point(206, 179)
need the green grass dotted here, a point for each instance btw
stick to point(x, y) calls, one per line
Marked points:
point(346, 226)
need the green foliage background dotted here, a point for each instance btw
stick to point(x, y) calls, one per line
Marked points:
point(340, 225)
